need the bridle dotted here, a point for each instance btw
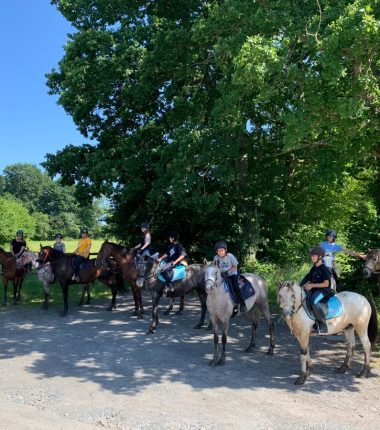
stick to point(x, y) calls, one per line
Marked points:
point(293, 310)
point(214, 282)
point(376, 262)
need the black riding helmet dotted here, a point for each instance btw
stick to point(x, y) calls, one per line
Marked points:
point(317, 250)
point(83, 230)
point(58, 235)
point(220, 244)
point(173, 234)
point(144, 225)
point(332, 233)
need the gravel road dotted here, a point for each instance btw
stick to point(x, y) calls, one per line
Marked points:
point(96, 369)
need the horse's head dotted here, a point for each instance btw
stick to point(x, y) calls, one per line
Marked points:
point(213, 277)
point(145, 268)
point(104, 252)
point(287, 296)
point(45, 255)
point(372, 264)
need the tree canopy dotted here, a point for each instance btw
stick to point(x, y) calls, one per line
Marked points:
point(252, 121)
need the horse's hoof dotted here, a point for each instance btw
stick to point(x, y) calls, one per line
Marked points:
point(212, 363)
point(150, 331)
point(221, 362)
point(364, 373)
point(63, 313)
point(198, 326)
point(342, 369)
point(179, 313)
point(249, 349)
point(166, 312)
point(300, 380)
point(135, 313)
point(270, 351)
point(109, 308)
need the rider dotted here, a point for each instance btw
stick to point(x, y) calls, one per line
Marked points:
point(144, 246)
point(82, 252)
point(331, 248)
point(317, 284)
point(59, 245)
point(228, 265)
point(18, 245)
point(175, 253)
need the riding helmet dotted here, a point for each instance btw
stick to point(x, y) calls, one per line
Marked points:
point(331, 233)
point(220, 244)
point(19, 233)
point(173, 234)
point(144, 225)
point(58, 235)
point(83, 230)
point(317, 250)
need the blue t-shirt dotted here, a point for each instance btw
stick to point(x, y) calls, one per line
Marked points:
point(330, 250)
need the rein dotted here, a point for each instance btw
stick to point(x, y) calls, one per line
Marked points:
point(294, 311)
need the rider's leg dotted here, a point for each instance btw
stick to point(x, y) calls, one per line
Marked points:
point(168, 277)
point(316, 305)
point(235, 285)
point(77, 265)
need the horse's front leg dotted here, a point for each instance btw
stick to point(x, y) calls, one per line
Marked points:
point(83, 288)
point(181, 305)
point(349, 334)
point(170, 307)
point(15, 284)
point(139, 309)
point(113, 300)
point(202, 298)
point(46, 299)
point(88, 290)
point(222, 359)
point(5, 289)
point(155, 302)
point(214, 360)
point(65, 293)
point(304, 344)
point(19, 285)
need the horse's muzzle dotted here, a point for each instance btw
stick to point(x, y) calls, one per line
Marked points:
point(367, 273)
point(209, 286)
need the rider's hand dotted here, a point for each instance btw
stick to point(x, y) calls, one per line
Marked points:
point(308, 286)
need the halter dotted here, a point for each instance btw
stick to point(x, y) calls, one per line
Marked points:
point(371, 270)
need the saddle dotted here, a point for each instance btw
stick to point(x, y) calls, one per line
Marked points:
point(332, 308)
point(87, 264)
point(245, 286)
point(177, 273)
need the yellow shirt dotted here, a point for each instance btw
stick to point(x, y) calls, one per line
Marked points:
point(84, 242)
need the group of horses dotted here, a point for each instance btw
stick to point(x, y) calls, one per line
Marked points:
point(115, 264)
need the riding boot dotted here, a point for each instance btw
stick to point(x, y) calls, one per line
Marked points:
point(243, 308)
point(320, 316)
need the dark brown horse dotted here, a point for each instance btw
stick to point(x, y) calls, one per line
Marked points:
point(12, 272)
point(125, 259)
point(63, 270)
point(372, 266)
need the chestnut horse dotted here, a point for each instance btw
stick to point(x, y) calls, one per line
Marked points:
point(125, 259)
point(14, 270)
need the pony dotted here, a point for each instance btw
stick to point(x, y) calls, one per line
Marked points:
point(109, 276)
point(194, 280)
point(372, 266)
point(358, 314)
point(125, 259)
point(14, 270)
point(221, 308)
point(63, 270)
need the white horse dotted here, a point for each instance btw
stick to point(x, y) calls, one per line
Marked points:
point(359, 314)
point(221, 306)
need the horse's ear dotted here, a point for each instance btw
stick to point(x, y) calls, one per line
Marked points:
point(205, 262)
point(279, 285)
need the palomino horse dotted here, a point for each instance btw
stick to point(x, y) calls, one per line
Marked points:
point(372, 266)
point(221, 308)
point(147, 273)
point(141, 264)
point(125, 259)
point(359, 314)
point(13, 270)
point(63, 271)
point(109, 276)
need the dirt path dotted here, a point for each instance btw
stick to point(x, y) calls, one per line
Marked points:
point(95, 369)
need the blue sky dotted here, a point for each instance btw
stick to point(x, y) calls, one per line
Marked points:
point(32, 36)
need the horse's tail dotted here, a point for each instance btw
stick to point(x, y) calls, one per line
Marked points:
point(372, 326)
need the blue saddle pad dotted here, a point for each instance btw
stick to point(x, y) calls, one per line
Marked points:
point(178, 273)
point(246, 288)
point(334, 309)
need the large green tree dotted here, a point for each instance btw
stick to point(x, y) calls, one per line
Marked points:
point(254, 121)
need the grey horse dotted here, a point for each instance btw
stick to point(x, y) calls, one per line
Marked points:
point(147, 269)
point(221, 308)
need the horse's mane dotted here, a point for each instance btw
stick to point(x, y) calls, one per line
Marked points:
point(55, 252)
point(119, 247)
